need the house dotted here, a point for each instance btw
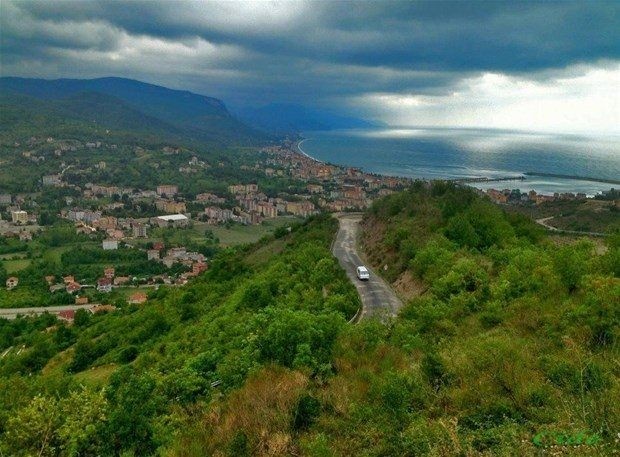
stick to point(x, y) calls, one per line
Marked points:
point(68, 279)
point(108, 272)
point(50, 279)
point(137, 298)
point(120, 280)
point(158, 245)
point(73, 287)
point(168, 190)
point(152, 254)
point(104, 285)
point(11, 282)
point(109, 245)
point(67, 315)
point(199, 267)
point(81, 300)
point(51, 180)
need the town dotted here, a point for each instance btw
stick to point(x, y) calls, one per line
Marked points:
point(154, 224)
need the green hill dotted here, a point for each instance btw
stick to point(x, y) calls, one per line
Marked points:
point(196, 117)
point(87, 115)
point(506, 346)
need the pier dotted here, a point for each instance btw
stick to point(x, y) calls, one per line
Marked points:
point(486, 179)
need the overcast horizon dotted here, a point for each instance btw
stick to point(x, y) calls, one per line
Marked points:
point(527, 66)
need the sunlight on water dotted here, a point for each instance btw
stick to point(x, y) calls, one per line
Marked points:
point(459, 153)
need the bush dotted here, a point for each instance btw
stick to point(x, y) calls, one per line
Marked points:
point(307, 410)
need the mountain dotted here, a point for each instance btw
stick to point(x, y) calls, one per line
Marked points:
point(84, 114)
point(196, 117)
point(291, 118)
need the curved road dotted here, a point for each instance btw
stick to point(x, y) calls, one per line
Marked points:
point(378, 298)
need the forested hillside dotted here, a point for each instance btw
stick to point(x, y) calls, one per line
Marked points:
point(127, 380)
point(126, 105)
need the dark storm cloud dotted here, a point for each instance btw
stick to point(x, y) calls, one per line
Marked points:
point(304, 51)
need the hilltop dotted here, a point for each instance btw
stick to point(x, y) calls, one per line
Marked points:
point(127, 105)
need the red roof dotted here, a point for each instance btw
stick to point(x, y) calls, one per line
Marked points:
point(67, 314)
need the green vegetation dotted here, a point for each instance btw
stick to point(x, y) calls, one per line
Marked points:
point(287, 309)
point(509, 347)
point(592, 215)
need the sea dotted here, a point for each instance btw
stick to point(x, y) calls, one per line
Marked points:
point(440, 153)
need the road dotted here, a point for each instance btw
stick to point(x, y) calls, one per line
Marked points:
point(11, 313)
point(378, 298)
point(545, 223)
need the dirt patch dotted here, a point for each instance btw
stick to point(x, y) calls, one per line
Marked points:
point(408, 287)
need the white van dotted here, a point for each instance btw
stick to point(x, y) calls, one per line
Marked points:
point(363, 273)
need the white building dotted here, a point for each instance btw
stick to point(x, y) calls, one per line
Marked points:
point(19, 217)
point(176, 220)
point(109, 245)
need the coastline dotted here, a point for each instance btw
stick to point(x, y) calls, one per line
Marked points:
point(304, 153)
point(542, 182)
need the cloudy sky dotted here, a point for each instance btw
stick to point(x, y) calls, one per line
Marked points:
point(524, 65)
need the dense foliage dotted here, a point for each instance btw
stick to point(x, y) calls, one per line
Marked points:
point(120, 382)
point(507, 345)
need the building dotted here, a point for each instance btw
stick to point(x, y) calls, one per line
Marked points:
point(121, 280)
point(152, 254)
point(199, 267)
point(51, 180)
point(104, 285)
point(174, 220)
point(170, 206)
point(73, 287)
point(304, 208)
point(168, 190)
point(137, 298)
point(267, 209)
point(12, 282)
point(67, 315)
point(81, 300)
point(109, 272)
point(109, 245)
point(139, 230)
point(19, 217)
point(106, 223)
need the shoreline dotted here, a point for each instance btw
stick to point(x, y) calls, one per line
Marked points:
point(523, 176)
point(304, 153)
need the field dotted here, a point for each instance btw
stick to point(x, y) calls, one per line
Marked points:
point(228, 236)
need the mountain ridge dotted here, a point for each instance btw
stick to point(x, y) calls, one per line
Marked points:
point(196, 117)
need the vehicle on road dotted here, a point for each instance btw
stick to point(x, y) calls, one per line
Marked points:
point(362, 273)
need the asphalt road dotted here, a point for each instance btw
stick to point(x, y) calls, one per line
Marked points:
point(378, 298)
point(11, 313)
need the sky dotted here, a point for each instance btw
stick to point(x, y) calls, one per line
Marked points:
point(523, 65)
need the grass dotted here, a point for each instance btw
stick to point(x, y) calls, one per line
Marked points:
point(236, 234)
point(242, 234)
point(16, 265)
point(96, 376)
